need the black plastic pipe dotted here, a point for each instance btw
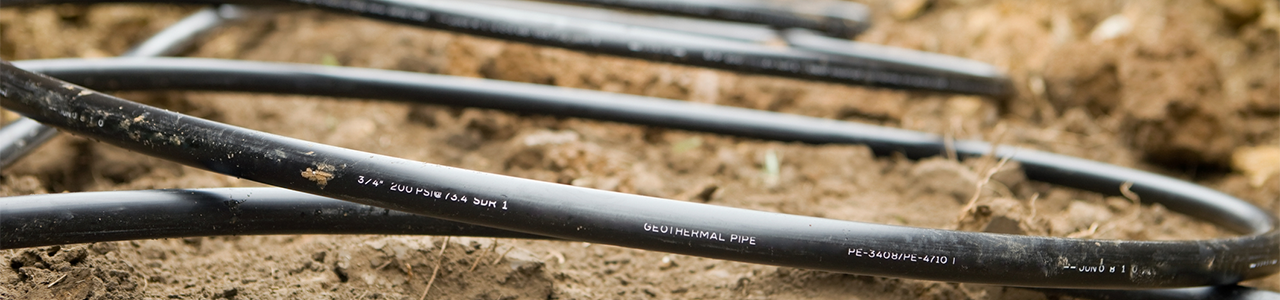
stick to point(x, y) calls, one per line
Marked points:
point(646, 43)
point(55, 219)
point(226, 75)
point(574, 213)
point(744, 32)
point(834, 18)
point(1227, 292)
point(88, 217)
point(181, 35)
point(24, 135)
point(19, 138)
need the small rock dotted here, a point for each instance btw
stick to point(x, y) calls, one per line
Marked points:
point(1110, 28)
point(523, 261)
point(376, 244)
point(667, 263)
point(103, 248)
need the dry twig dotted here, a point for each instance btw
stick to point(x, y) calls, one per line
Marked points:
point(1093, 229)
point(56, 281)
point(482, 253)
point(504, 254)
point(968, 208)
point(439, 261)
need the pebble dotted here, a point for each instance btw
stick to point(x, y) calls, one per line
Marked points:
point(666, 263)
point(523, 261)
point(1113, 27)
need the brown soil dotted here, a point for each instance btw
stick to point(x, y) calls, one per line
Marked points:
point(1190, 88)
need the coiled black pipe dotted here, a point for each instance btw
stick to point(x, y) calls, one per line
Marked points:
point(1227, 292)
point(17, 139)
point(648, 43)
point(642, 222)
point(24, 135)
point(227, 75)
point(181, 35)
point(834, 18)
point(56, 219)
point(744, 32)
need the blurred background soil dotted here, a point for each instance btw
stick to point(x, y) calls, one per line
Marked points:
point(1183, 88)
